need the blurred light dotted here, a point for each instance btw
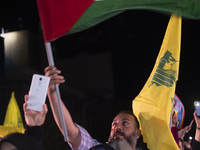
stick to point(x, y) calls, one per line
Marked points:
point(10, 37)
point(2, 30)
point(190, 137)
point(196, 103)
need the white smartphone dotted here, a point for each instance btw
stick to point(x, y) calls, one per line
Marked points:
point(38, 92)
point(197, 107)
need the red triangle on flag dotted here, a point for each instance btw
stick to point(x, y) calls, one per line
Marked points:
point(58, 17)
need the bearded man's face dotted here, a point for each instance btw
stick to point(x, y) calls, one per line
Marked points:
point(124, 131)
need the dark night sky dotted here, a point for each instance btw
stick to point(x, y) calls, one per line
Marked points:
point(134, 39)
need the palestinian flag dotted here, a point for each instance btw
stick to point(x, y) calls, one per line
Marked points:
point(59, 17)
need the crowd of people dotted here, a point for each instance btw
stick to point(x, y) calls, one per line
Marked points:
point(179, 135)
point(125, 131)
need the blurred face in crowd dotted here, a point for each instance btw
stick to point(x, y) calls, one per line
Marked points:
point(7, 146)
point(124, 132)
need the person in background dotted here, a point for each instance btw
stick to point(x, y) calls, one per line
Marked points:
point(181, 135)
point(182, 132)
point(174, 128)
point(181, 144)
point(32, 138)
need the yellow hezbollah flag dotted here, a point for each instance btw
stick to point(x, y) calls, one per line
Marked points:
point(153, 105)
point(13, 120)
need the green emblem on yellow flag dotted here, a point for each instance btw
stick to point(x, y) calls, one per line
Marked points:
point(165, 75)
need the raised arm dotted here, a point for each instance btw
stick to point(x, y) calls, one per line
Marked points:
point(182, 132)
point(74, 136)
point(197, 134)
point(35, 120)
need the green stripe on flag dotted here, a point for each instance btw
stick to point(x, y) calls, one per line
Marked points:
point(102, 10)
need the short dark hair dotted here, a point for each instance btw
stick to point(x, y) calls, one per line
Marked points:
point(132, 114)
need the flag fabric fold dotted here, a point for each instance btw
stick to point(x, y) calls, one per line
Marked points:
point(153, 106)
point(71, 16)
point(13, 120)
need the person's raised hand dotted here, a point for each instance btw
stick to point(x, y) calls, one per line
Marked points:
point(197, 119)
point(32, 117)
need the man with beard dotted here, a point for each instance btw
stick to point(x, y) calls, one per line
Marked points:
point(124, 131)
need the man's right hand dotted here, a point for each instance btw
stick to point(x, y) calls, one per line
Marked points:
point(55, 78)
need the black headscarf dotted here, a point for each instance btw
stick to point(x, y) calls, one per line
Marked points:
point(23, 141)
